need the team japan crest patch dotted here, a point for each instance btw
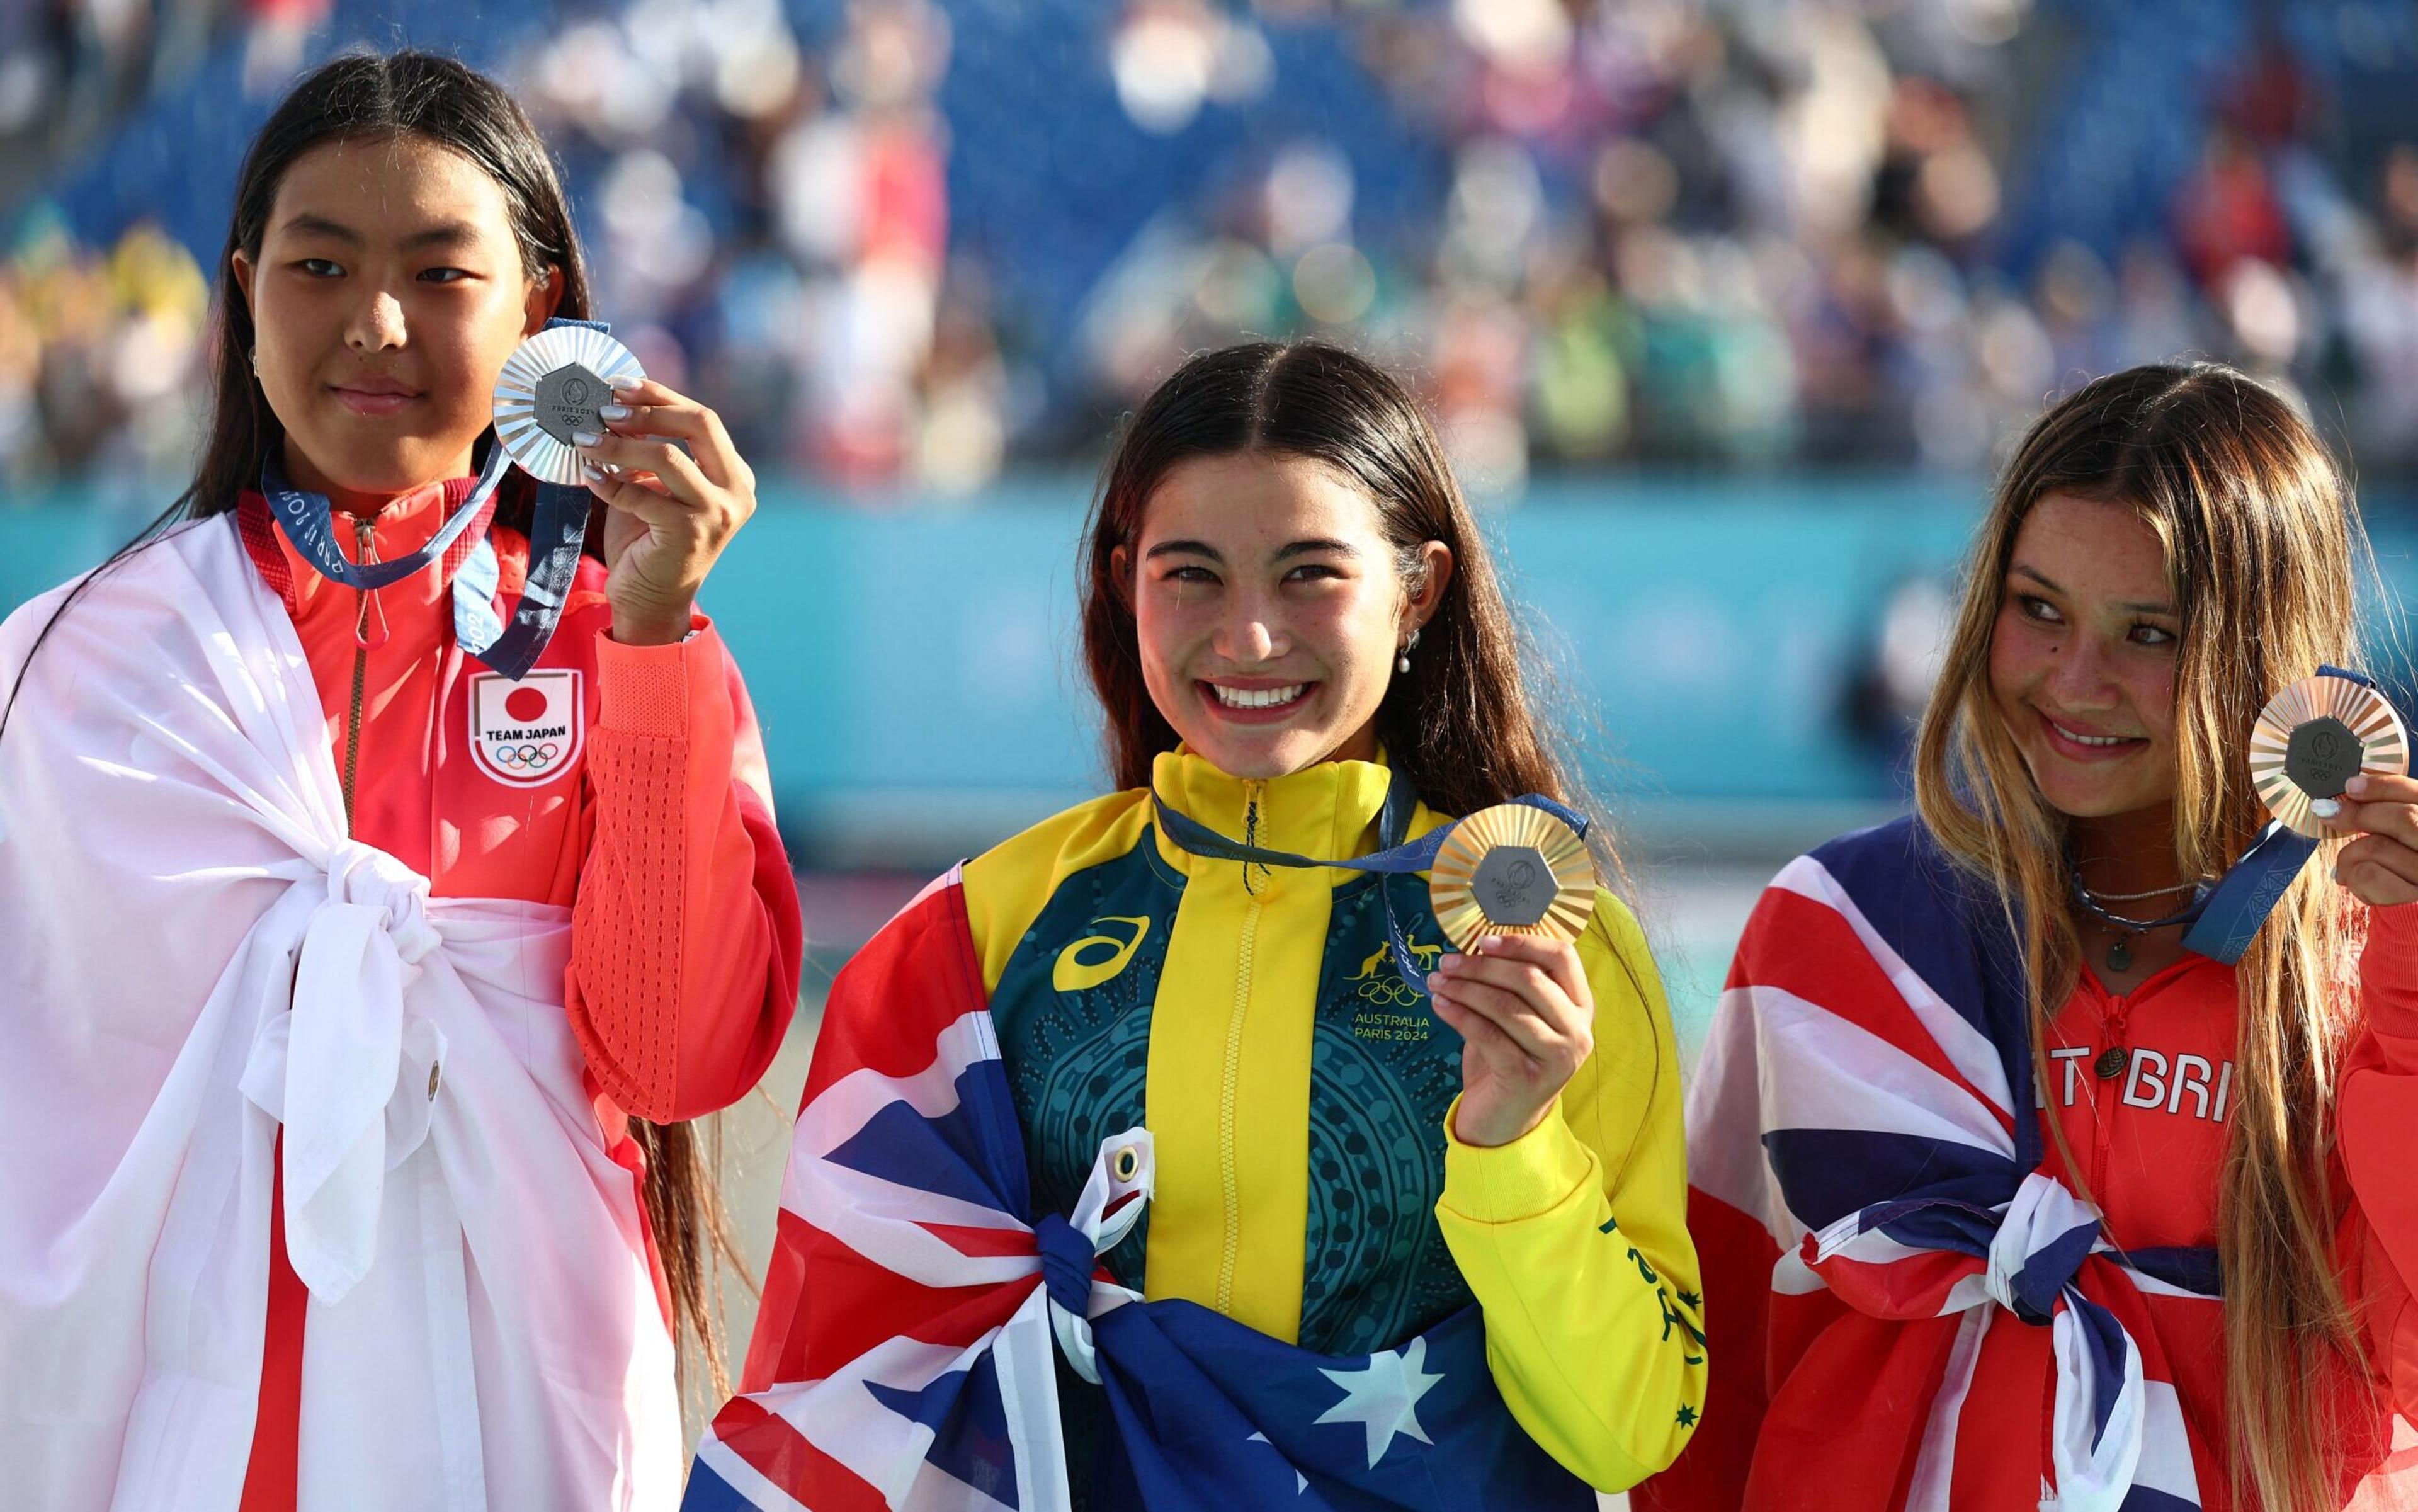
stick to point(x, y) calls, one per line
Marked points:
point(526, 733)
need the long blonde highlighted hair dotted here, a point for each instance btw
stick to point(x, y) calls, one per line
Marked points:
point(2260, 539)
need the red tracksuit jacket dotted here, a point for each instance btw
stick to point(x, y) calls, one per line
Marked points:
point(626, 783)
point(1815, 1406)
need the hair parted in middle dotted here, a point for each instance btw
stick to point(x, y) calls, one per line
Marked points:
point(2261, 543)
point(1461, 723)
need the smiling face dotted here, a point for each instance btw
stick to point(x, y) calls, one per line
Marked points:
point(388, 292)
point(1270, 608)
point(2082, 659)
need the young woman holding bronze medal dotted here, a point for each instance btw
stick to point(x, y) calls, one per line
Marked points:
point(378, 845)
point(2051, 1141)
point(1360, 1107)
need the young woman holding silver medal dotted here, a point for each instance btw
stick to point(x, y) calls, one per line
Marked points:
point(2048, 1146)
point(449, 857)
point(1384, 1084)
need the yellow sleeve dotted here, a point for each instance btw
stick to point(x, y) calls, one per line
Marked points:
point(1574, 1238)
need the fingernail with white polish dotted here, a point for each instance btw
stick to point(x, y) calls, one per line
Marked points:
point(2357, 786)
point(586, 439)
point(614, 412)
point(2325, 808)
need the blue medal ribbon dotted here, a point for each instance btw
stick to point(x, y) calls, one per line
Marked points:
point(558, 533)
point(1396, 856)
point(2231, 914)
point(2224, 918)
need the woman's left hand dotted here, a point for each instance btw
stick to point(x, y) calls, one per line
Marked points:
point(1526, 1020)
point(2380, 867)
point(673, 509)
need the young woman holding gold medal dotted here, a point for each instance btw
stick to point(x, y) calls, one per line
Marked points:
point(372, 858)
point(2051, 1144)
point(1362, 1104)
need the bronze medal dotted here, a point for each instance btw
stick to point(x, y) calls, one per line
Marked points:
point(2316, 736)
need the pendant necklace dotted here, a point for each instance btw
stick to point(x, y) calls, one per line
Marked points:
point(2119, 952)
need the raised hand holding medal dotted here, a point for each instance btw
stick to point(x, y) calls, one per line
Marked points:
point(2327, 756)
point(2314, 739)
point(2331, 757)
point(676, 487)
point(1513, 887)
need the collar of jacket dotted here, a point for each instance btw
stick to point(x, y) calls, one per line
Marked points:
point(403, 525)
point(1327, 811)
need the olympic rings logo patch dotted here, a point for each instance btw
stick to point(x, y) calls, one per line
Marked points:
point(527, 733)
point(1388, 992)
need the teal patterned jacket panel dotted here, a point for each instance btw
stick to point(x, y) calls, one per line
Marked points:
point(1073, 1008)
point(1077, 1055)
point(1383, 1071)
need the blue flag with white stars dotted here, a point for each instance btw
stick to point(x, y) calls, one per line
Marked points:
point(915, 1312)
point(1210, 1413)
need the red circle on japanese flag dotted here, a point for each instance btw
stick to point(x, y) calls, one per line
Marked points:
point(525, 705)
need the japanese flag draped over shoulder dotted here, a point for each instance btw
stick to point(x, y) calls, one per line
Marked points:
point(1866, 1099)
point(194, 958)
point(922, 1377)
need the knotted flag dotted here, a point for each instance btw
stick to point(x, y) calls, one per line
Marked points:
point(1866, 1094)
point(904, 1358)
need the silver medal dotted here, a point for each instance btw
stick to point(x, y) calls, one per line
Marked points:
point(550, 390)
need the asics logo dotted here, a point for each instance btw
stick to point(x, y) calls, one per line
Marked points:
point(1082, 966)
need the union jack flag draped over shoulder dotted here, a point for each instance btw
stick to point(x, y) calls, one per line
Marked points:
point(905, 1356)
point(1866, 1094)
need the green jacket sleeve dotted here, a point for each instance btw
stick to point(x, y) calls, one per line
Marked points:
point(1574, 1238)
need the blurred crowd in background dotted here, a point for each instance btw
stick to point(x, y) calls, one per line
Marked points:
point(904, 244)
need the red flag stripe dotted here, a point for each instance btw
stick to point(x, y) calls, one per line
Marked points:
point(781, 1454)
point(1808, 948)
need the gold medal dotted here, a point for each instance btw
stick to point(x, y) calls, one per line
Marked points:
point(1512, 869)
point(2316, 736)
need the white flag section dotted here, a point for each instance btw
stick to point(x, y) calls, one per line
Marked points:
point(191, 951)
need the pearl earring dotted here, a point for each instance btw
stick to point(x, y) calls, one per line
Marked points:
point(1402, 660)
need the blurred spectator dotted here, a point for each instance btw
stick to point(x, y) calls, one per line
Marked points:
point(97, 354)
point(1725, 232)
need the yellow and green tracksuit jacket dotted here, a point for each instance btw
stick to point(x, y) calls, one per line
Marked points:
point(1297, 1091)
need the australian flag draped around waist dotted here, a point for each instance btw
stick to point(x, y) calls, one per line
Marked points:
point(905, 1356)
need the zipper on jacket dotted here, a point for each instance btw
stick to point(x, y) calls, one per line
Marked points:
point(364, 550)
point(2114, 1022)
point(1243, 948)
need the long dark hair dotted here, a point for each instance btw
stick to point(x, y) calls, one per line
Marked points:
point(370, 96)
point(1462, 724)
point(359, 96)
